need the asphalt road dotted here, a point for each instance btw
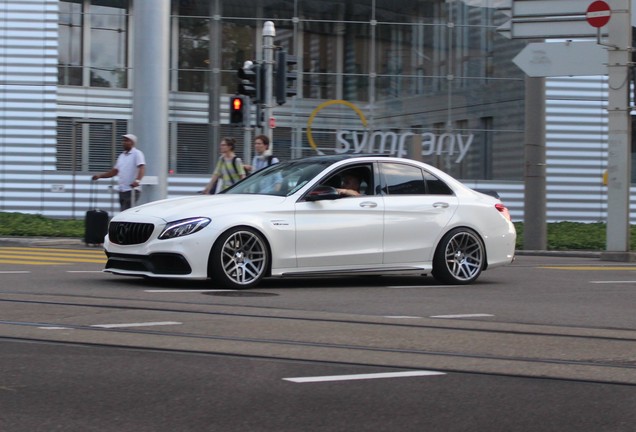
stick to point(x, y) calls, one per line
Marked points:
point(546, 344)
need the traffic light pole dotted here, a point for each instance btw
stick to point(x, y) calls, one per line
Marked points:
point(268, 50)
point(247, 134)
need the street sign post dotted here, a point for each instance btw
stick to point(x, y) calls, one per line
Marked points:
point(598, 14)
point(549, 59)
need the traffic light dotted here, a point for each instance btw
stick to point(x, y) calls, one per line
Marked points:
point(251, 81)
point(285, 76)
point(236, 110)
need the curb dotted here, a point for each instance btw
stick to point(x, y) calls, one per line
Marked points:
point(572, 253)
point(41, 241)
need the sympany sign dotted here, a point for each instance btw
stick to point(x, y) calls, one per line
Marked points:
point(454, 145)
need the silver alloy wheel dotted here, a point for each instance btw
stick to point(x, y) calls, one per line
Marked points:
point(464, 256)
point(243, 257)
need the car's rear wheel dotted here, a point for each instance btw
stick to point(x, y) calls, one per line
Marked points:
point(239, 259)
point(459, 258)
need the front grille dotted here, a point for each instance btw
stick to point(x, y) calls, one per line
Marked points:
point(129, 233)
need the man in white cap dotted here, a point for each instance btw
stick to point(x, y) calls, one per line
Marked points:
point(130, 169)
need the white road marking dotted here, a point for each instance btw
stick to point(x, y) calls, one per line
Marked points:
point(54, 328)
point(463, 316)
point(142, 324)
point(186, 290)
point(362, 376)
point(613, 282)
point(14, 271)
point(84, 271)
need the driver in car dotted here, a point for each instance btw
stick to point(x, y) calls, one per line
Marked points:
point(350, 185)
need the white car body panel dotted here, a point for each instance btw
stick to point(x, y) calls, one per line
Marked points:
point(409, 220)
point(336, 233)
point(374, 234)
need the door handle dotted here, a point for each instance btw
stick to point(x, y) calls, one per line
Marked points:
point(440, 205)
point(370, 204)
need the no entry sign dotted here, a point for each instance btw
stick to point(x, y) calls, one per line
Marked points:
point(598, 14)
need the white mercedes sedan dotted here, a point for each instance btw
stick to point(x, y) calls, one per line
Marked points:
point(324, 215)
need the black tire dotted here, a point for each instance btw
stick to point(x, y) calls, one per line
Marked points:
point(239, 259)
point(459, 257)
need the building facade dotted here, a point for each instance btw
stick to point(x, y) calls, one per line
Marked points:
point(426, 79)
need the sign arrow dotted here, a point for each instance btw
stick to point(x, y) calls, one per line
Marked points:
point(544, 59)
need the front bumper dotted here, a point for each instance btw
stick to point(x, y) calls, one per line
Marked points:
point(159, 264)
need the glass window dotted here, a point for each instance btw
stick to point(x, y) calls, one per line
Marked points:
point(70, 43)
point(107, 22)
point(437, 64)
point(401, 179)
point(435, 186)
point(358, 178)
point(109, 43)
point(238, 45)
point(356, 63)
point(194, 54)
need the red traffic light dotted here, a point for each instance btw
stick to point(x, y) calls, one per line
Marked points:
point(236, 110)
point(237, 104)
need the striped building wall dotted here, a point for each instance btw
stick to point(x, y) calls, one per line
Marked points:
point(576, 153)
point(28, 87)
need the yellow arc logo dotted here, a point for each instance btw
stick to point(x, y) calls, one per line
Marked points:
point(323, 105)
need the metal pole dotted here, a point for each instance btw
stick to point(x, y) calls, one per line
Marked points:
point(269, 32)
point(535, 236)
point(150, 91)
point(247, 132)
point(214, 82)
point(619, 139)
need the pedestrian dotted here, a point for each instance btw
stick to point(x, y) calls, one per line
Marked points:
point(130, 169)
point(261, 157)
point(229, 169)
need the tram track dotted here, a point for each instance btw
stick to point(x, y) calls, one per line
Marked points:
point(560, 352)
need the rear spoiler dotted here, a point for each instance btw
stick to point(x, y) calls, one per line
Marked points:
point(491, 192)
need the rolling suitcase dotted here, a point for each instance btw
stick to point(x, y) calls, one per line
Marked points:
point(95, 222)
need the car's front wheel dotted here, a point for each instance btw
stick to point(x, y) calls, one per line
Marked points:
point(239, 258)
point(459, 258)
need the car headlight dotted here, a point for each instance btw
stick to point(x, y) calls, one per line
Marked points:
point(183, 227)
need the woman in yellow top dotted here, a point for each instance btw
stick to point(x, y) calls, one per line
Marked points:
point(229, 168)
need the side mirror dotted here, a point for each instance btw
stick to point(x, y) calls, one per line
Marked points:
point(320, 193)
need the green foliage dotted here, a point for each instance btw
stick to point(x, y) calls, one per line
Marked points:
point(561, 235)
point(574, 236)
point(29, 225)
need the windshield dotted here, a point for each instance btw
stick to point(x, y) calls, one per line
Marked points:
point(281, 179)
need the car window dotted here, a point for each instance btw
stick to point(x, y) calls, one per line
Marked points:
point(363, 174)
point(435, 186)
point(281, 179)
point(403, 179)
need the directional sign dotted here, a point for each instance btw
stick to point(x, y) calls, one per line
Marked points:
point(521, 28)
point(562, 59)
point(552, 8)
point(598, 14)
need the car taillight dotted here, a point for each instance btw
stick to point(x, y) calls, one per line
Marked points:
point(503, 210)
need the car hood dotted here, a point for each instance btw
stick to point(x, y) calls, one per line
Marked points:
point(172, 209)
